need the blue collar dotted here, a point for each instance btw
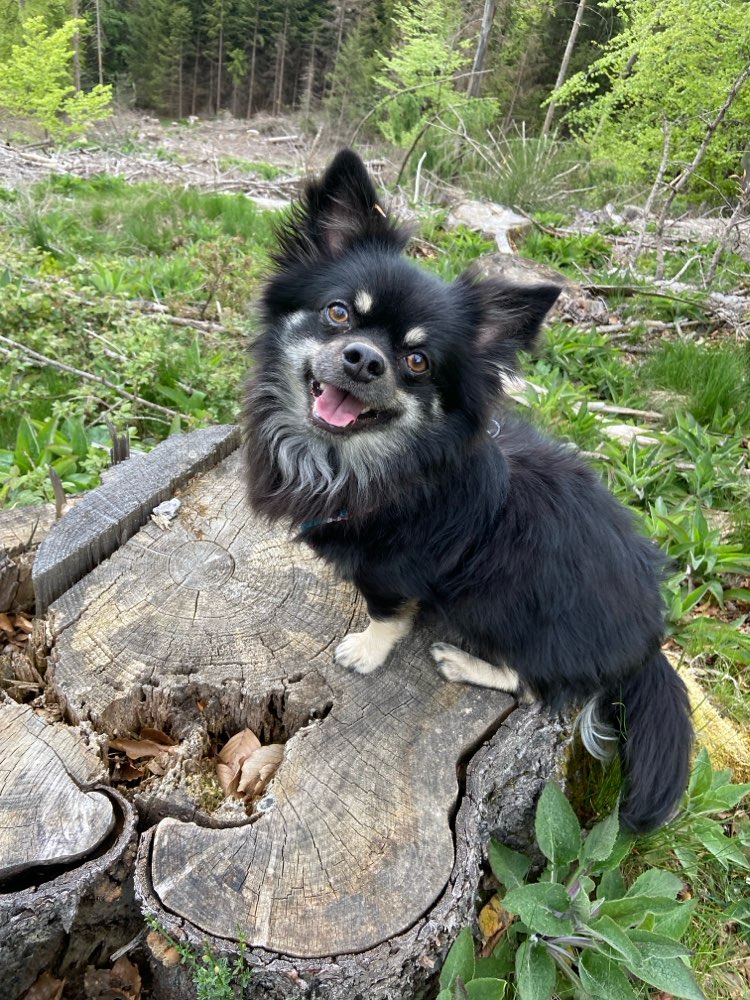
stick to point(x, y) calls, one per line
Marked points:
point(343, 515)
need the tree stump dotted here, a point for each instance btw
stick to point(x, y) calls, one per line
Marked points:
point(67, 849)
point(353, 872)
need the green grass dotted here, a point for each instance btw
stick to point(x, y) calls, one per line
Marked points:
point(713, 381)
point(75, 253)
point(268, 171)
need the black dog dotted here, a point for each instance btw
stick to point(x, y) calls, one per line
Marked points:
point(374, 426)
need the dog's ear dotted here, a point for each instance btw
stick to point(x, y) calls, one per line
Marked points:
point(335, 213)
point(509, 315)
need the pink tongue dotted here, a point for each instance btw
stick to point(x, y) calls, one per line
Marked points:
point(337, 407)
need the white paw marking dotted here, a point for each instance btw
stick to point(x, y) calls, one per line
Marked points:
point(358, 652)
point(457, 666)
point(451, 662)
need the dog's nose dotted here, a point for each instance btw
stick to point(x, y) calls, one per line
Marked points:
point(362, 362)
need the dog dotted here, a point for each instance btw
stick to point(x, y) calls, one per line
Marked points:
point(375, 424)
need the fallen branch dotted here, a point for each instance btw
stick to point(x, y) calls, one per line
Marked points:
point(42, 361)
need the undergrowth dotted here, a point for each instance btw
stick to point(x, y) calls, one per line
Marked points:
point(145, 293)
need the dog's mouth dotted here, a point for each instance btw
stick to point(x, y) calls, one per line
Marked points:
point(340, 411)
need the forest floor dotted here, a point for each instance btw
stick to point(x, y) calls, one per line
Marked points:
point(135, 261)
point(266, 158)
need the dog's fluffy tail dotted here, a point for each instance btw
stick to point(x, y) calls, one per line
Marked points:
point(656, 738)
point(651, 726)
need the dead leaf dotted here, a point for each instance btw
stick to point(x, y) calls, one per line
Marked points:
point(158, 736)
point(121, 982)
point(6, 624)
point(494, 921)
point(245, 767)
point(228, 777)
point(259, 768)
point(47, 987)
point(237, 747)
point(135, 749)
point(24, 624)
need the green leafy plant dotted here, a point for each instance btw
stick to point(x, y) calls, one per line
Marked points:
point(704, 559)
point(696, 832)
point(577, 250)
point(214, 978)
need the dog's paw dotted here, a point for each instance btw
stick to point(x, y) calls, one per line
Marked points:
point(451, 662)
point(358, 652)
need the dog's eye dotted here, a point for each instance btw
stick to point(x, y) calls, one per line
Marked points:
point(417, 363)
point(337, 313)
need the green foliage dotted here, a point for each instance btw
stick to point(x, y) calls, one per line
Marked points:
point(580, 929)
point(531, 172)
point(419, 76)
point(704, 559)
point(674, 59)
point(89, 245)
point(568, 252)
point(711, 379)
point(77, 454)
point(214, 978)
point(35, 82)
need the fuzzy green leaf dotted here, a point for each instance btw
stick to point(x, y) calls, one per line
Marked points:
point(725, 850)
point(600, 840)
point(727, 796)
point(631, 910)
point(605, 929)
point(670, 975)
point(535, 972)
point(509, 867)
point(603, 978)
point(543, 907)
point(459, 961)
point(675, 924)
point(558, 831)
point(655, 882)
point(486, 989)
point(652, 945)
point(611, 885)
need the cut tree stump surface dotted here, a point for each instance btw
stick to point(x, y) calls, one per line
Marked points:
point(107, 517)
point(67, 853)
point(46, 818)
point(219, 623)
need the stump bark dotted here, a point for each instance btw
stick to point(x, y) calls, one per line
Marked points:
point(67, 851)
point(359, 863)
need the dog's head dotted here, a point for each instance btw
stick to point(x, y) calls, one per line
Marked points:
point(366, 357)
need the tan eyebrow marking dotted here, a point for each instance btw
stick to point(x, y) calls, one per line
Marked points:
point(363, 301)
point(415, 337)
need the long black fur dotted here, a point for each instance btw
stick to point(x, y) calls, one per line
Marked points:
point(506, 539)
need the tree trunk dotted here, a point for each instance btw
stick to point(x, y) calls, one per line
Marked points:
point(475, 80)
point(368, 843)
point(194, 100)
point(280, 64)
point(251, 86)
point(75, 14)
point(99, 57)
point(561, 76)
point(337, 53)
point(220, 61)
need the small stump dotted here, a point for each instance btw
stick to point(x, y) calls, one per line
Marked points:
point(357, 866)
